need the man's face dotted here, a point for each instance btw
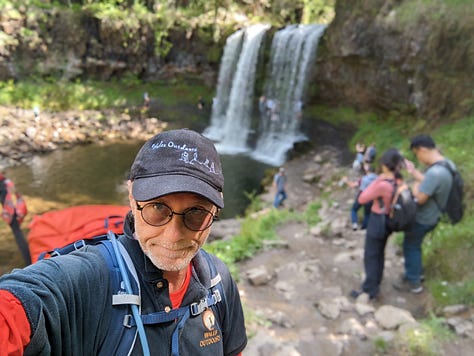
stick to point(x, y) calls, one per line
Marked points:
point(171, 246)
point(419, 153)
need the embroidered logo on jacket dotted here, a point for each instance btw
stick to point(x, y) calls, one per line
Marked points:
point(213, 334)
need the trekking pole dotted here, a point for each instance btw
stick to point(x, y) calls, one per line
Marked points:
point(128, 288)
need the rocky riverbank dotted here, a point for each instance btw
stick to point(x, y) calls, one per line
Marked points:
point(23, 134)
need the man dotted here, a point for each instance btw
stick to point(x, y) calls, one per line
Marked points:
point(431, 190)
point(279, 183)
point(63, 305)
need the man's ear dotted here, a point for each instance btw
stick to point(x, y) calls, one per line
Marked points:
point(129, 187)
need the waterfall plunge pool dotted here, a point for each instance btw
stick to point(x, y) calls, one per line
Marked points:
point(96, 174)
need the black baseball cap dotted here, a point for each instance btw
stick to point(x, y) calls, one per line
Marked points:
point(177, 161)
point(422, 141)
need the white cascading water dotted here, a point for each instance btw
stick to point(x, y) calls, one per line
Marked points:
point(231, 119)
point(232, 49)
point(292, 56)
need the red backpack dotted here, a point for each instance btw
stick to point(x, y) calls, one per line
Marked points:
point(59, 228)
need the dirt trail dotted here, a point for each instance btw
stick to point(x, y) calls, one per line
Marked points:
point(309, 269)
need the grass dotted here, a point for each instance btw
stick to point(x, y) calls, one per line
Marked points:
point(56, 95)
point(423, 339)
point(254, 231)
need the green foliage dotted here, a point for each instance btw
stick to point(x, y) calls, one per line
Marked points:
point(256, 203)
point(57, 95)
point(311, 215)
point(254, 231)
point(318, 11)
point(381, 345)
point(423, 340)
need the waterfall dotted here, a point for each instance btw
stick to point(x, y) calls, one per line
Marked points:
point(232, 107)
point(292, 54)
point(232, 49)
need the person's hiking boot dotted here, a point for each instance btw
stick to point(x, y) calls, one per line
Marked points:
point(356, 294)
point(402, 278)
point(355, 226)
point(405, 285)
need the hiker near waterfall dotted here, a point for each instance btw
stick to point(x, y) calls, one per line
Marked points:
point(173, 297)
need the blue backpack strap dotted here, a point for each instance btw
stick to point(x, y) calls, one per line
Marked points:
point(216, 287)
point(76, 245)
point(122, 334)
point(213, 300)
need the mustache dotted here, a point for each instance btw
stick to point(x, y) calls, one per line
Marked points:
point(180, 245)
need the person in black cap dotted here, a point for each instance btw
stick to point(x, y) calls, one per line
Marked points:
point(431, 190)
point(63, 305)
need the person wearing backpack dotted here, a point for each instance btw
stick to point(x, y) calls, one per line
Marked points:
point(380, 192)
point(177, 298)
point(431, 190)
point(14, 211)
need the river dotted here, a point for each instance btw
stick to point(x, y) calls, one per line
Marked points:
point(96, 174)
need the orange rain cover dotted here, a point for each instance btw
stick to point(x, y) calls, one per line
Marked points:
point(59, 228)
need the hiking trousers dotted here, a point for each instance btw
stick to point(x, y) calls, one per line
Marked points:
point(374, 253)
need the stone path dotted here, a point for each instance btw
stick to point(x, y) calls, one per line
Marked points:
point(298, 292)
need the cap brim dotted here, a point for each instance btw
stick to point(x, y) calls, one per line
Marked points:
point(149, 188)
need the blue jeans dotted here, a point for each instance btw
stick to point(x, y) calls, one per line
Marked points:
point(412, 241)
point(279, 198)
point(355, 208)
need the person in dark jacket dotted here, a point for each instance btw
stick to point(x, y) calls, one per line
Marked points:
point(64, 305)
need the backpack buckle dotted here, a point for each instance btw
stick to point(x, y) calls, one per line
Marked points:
point(197, 308)
point(78, 244)
point(216, 296)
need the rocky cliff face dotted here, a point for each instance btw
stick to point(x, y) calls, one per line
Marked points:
point(396, 55)
point(69, 44)
point(376, 54)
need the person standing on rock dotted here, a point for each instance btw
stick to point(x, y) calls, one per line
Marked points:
point(279, 184)
point(431, 190)
point(13, 212)
point(380, 192)
point(361, 184)
point(170, 297)
point(370, 153)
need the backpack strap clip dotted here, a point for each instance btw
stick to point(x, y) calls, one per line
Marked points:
point(198, 308)
point(128, 321)
point(78, 244)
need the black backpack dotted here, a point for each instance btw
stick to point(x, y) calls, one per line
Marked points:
point(401, 215)
point(454, 208)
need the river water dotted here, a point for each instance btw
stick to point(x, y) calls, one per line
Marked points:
point(96, 174)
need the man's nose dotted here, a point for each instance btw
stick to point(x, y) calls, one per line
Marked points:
point(175, 228)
